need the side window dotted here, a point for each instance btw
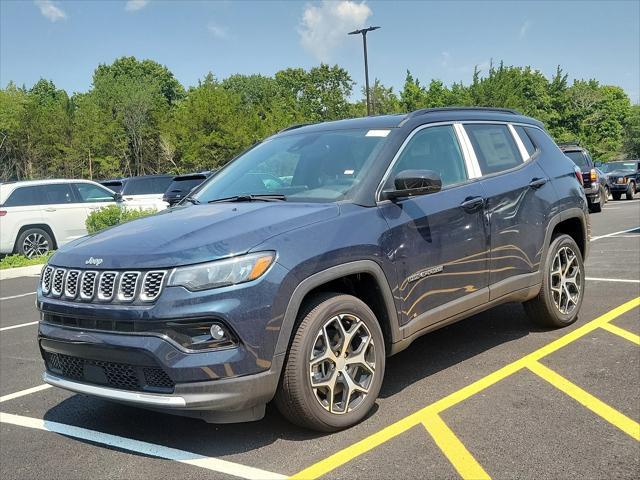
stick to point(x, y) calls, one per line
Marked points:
point(24, 196)
point(437, 149)
point(93, 193)
point(494, 146)
point(526, 140)
point(57, 193)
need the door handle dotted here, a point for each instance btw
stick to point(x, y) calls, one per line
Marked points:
point(538, 182)
point(49, 209)
point(472, 204)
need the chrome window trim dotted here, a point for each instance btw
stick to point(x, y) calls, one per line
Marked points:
point(472, 160)
point(143, 297)
point(66, 283)
point(135, 286)
point(93, 289)
point(523, 150)
point(99, 295)
point(53, 279)
point(419, 128)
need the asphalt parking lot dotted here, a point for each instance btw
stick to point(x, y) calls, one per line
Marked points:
point(491, 396)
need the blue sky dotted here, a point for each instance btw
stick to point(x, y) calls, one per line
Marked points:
point(65, 40)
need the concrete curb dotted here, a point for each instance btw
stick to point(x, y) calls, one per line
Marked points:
point(30, 271)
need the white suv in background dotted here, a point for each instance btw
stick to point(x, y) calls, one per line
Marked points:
point(41, 215)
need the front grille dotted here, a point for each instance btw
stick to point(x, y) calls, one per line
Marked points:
point(58, 282)
point(71, 284)
point(128, 283)
point(103, 286)
point(47, 275)
point(122, 376)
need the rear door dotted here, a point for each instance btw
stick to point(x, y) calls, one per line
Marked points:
point(518, 201)
point(63, 212)
point(22, 207)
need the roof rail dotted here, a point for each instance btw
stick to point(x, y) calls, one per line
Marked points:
point(424, 111)
point(293, 127)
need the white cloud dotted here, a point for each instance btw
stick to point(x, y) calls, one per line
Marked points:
point(217, 31)
point(135, 5)
point(50, 11)
point(325, 26)
point(524, 29)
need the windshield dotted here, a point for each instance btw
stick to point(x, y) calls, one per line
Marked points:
point(306, 167)
point(184, 185)
point(146, 185)
point(578, 158)
point(611, 166)
point(115, 186)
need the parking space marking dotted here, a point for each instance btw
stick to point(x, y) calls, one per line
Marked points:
point(22, 393)
point(18, 326)
point(453, 448)
point(632, 337)
point(593, 239)
point(17, 296)
point(621, 280)
point(349, 453)
point(144, 448)
point(597, 406)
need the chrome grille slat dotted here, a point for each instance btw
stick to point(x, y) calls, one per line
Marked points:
point(71, 283)
point(108, 286)
point(57, 285)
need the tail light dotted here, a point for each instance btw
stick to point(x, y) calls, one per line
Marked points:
point(593, 175)
point(578, 173)
point(3, 213)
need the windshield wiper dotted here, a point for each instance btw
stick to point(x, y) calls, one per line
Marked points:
point(191, 200)
point(271, 197)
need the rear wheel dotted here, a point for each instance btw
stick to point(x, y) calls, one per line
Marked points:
point(334, 368)
point(560, 297)
point(596, 207)
point(34, 242)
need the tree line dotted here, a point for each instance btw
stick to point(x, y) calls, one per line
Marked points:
point(138, 119)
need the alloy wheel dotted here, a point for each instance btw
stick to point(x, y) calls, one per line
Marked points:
point(342, 364)
point(566, 280)
point(35, 244)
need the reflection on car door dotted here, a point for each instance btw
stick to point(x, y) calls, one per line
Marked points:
point(63, 212)
point(438, 241)
point(517, 205)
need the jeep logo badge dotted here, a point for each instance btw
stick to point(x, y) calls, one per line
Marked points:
point(93, 261)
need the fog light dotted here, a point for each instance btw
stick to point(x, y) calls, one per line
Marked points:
point(217, 332)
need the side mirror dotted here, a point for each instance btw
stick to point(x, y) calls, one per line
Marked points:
point(117, 197)
point(411, 183)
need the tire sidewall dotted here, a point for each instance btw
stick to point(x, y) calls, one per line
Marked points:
point(338, 305)
point(556, 245)
point(20, 241)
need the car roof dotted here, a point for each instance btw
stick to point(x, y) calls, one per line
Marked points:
point(423, 116)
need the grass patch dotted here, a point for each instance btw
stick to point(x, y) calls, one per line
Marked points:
point(14, 261)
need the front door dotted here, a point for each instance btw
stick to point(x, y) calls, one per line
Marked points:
point(438, 241)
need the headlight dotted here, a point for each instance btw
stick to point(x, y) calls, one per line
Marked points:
point(222, 273)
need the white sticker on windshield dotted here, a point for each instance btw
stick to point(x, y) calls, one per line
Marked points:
point(377, 133)
point(349, 172)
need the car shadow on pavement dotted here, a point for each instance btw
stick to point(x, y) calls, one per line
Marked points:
point(426, 356)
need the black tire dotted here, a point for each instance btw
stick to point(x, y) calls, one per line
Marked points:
point(543, 309)
point(596, 207)
point(631, 190)
point(295, 397)
point(616, 195)
point(33, 242)
point(605, 195)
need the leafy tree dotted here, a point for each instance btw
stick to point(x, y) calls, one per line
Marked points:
point(632, 133)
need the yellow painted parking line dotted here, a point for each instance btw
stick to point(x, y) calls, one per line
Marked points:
point(632, 337)
point(611, 415)
point(349, 453)
point(465, 464)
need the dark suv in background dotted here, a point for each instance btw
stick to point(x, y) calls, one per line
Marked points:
point(595, 188)
point(300, 266)
point(623, 177)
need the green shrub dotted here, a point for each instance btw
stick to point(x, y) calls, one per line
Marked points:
point(17, 260)
point(113, 215)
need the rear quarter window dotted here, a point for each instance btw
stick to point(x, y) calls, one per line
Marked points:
point(494, 147)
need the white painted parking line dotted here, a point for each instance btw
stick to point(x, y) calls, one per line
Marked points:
point(17, 296)
point(145, 448)
point(18, 326)
point(593, 239)
point(621, 280)
point(22, 393)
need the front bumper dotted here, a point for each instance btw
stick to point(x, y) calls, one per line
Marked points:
point(618, 187)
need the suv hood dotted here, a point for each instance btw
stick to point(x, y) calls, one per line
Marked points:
point(190, 234)
point(619, 173)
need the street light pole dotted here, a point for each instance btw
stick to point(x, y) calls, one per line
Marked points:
point(364, 32)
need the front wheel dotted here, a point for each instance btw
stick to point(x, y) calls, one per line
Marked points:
point(334, 368)
point(560, 297)
point(631, 190)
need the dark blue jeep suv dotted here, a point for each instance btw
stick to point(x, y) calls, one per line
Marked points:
point(292, 273)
